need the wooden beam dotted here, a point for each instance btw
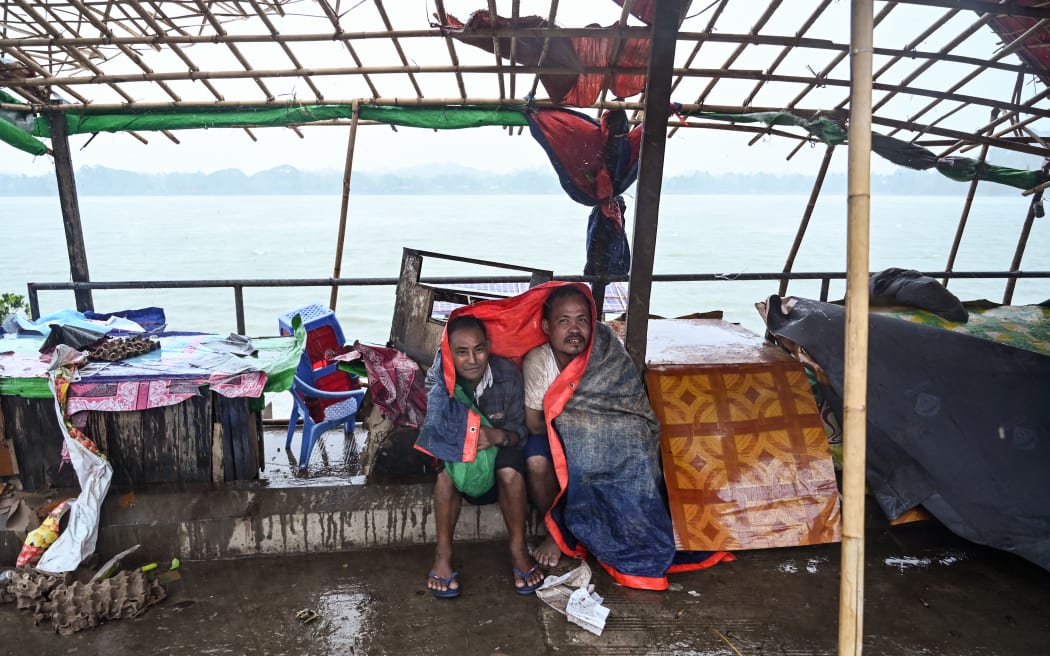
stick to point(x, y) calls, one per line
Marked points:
point(67, 198)
point(650, 177)
point(985, 7)
point(1014, 145)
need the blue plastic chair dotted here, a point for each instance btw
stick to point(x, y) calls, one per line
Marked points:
point(343, 413)
point(323, 332)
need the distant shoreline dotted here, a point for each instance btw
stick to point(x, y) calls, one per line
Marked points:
point(285, 180)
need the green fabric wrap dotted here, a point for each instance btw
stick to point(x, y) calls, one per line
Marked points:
point(828, 131)
point(436, 118)
point(477, 477)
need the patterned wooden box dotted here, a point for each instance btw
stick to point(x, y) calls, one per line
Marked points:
point(745, 456)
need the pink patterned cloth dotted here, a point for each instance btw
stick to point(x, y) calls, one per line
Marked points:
point(396, 383)
point(132, 395)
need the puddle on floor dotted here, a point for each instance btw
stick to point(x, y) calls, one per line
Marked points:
point(336, 459)
point(344, 624)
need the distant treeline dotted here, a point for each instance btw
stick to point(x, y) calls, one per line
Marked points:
point(284, 180)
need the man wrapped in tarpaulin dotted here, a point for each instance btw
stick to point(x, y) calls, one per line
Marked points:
point(604, 442)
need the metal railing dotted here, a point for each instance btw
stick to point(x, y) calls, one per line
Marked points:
point(239, 285)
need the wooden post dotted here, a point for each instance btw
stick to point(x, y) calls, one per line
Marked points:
point(965, 215)
point(806, 216)
point(67, 198)
point(343, 208)
point(650, 176)
point(851, 589)
point(1022, 243)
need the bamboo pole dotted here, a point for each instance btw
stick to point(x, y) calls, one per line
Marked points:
point(625, 11)
point(493, 19)
point(1001, 118)
point(397, 46)
point(771, 7)
point(344, 204)
point(965, 215)
point(1022, 243)
point(833, 64)
point(851, 590)
point(804, 223)
point(712, 21)
point(450, 44)
point(1004, 9)
point(547, 42)
point(787, 48)
point(1003, 52)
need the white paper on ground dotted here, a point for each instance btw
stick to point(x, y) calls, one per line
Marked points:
point(572, 595)
point(585, 609)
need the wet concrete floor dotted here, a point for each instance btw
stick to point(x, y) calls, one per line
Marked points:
point(927, 592)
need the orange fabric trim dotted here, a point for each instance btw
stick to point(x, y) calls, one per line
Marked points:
point(707, 563)
point(470, 437)
point(514, 325)
point(637, 582)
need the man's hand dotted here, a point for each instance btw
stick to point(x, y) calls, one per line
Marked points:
point(488, 437)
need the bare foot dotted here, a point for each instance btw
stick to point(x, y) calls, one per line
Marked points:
point(442, 578)
point(547, 553)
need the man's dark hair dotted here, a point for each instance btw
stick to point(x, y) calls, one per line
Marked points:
point(560, 293)
point(463, 322)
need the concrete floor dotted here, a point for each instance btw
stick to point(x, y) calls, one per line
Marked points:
point(927, 592)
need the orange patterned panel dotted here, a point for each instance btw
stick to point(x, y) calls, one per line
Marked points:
point(746, 458)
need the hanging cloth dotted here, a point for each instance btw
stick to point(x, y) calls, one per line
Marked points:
point(595, 162)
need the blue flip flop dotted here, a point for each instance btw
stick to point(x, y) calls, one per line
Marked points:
point(524, 576)
point(449, 592)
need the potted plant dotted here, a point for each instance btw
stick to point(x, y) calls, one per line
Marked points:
point(10, 305)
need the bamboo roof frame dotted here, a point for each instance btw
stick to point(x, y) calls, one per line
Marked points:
point(75, 47)
point(92, 52)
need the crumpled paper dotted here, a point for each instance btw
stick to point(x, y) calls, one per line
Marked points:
point(572, 594)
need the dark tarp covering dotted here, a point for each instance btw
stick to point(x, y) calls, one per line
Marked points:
point(595, 162)
point(902, 153)
point(823, 128)
point(960, 169)
point(958, 424)
point(911, 288)
point(78, 337)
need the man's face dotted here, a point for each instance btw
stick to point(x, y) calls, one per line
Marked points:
point(568, 328)
point(470, 353)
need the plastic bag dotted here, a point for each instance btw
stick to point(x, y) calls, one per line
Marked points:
point(474, 478)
